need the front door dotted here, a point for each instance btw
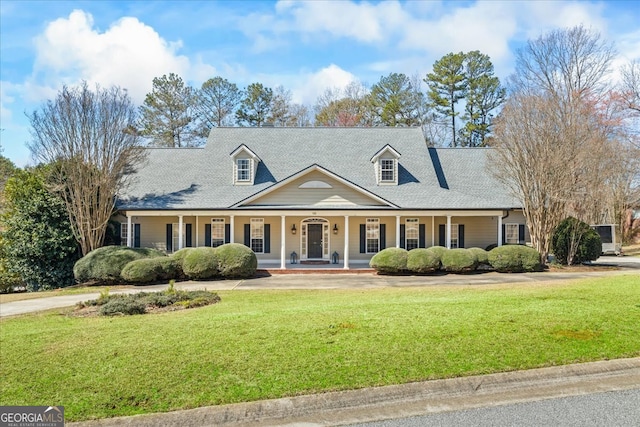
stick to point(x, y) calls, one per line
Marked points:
point(314, 235)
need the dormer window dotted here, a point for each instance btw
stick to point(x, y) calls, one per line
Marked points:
point(245, 165)
point(385, 163)
point(243, 170)
point(387, 170)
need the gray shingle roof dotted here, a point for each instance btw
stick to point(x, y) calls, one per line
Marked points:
point(202, 178)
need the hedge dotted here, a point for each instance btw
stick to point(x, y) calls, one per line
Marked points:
point(236, 261)
point(514, 259)
point(104, 265)
point(459, 261)
point(390, 261)
point(422, 260)
point(149, 270)
point(200, 263)
point(481, 255)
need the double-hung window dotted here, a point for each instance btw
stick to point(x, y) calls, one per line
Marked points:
point(124, 233)
point(243, 170)
point(511, 232)
point(257, 235)
point(387, 170)
point(454, 236)
point(217, 232)
point(373, 235)
point(411, 233)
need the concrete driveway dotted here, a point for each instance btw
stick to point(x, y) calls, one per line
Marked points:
point(628, 265)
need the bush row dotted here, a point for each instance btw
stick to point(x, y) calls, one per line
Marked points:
point(508, 258)
point(117, 264)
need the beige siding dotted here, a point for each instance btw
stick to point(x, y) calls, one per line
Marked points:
point(339, 195)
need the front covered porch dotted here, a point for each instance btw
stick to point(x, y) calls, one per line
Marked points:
point(322, 239)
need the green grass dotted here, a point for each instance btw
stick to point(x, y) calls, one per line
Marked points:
point(267, 344)
point(71, 290)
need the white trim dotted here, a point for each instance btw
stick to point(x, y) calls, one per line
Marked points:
point(506, 230)
point(247, 150)
point(500, 230)
point(180, 232)
point(313, 168)
point(283, 248)
point(384, 212)
point(397, 231)
point(448, 233)
point(433, 231)
point(129, 233)
point(232, 237)
point(383, 150)
point(304, 237)
point(251, 238)
point(345, 257)
point(366, 237)
point(314, 184)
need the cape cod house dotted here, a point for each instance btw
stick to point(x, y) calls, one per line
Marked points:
point(325, 194)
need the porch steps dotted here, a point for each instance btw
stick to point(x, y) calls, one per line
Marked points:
point(274, 271)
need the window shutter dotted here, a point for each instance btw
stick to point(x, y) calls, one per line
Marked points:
point(207, 234)
point(422, 240)
point(267, 238)
point(227, 233)
point(442, 238)
point(403, 235)
point(169, 238)
point(136, 235)
point(383, 236)
point(521, 239)
point(117, 234)
point(504, 234)
point(247, 235)
point(363, 238)
point(189, 239)
point(461, 235)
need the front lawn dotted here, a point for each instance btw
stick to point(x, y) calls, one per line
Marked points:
point(267, 344)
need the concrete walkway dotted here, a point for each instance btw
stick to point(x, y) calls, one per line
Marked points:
point(323, 281)
point(379, 403)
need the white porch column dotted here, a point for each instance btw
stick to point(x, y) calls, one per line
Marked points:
point(196, 231)
point(499, 230)
point(232, 237)
point(448, 240)
point(433, 231)
point(345, 257)
point(180, 232)
point(130, 232)
point(283, 252)
point(397, 231)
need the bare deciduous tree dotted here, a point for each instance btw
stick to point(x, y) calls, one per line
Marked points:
point(90, 139)
point(556, 135)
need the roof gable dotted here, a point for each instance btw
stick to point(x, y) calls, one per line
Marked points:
point(315, 186)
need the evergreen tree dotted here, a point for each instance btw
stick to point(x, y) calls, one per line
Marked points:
point(255, 107)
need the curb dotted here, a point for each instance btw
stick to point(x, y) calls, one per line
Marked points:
point(378, 403)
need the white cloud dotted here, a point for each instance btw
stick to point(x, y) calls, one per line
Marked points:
point(129, 54)
point(308, 87)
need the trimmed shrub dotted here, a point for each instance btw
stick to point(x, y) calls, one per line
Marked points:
point(179, 255)
point(438, 250)
point(390, 261)
point(104, 265)
point(122, 306)
point(574, 242)
point(514, 259)
point(459, 261)
point(422, 260)
point(481, 255)
point(236, 261)
point(201, 263)
point(148, 270)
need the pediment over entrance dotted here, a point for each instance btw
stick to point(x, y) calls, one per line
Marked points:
point(317, 187)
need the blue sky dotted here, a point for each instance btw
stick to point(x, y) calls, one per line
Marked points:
point(305, 46)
